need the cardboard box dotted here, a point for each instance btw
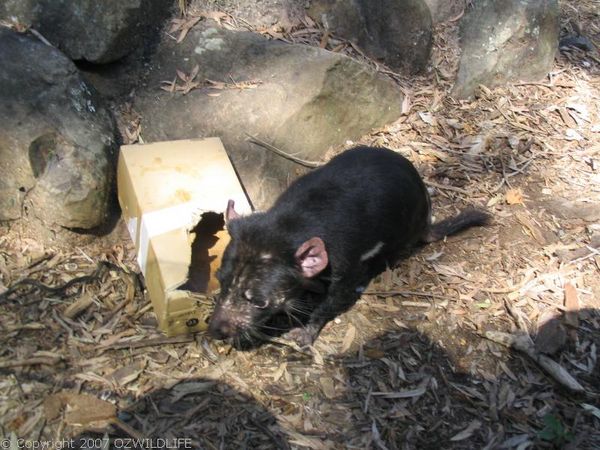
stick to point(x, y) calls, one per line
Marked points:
point(173, 195)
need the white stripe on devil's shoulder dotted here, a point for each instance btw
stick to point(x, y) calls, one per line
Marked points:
point(371, 253)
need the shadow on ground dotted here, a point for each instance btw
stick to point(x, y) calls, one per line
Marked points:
point(398, 390)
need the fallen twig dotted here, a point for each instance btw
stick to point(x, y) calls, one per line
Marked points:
point(288, 343)
point(315, 164)
point(151, 342)
point(523, 343)
point(302, 162)
point(60, 289)
point(403, 293)
point(446, 187)
point(39, 35)
point(526, 279)
point(36, 360)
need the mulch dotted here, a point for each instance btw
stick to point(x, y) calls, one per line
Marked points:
point(486, 340)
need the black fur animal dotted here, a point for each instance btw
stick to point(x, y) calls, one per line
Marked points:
point(308, 258)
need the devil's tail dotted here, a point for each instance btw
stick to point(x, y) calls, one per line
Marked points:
point(465, 219)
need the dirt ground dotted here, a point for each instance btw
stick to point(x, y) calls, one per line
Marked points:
point(424, 360)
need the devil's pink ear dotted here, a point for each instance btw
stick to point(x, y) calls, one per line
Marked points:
point(230, 212)
point(312, 257)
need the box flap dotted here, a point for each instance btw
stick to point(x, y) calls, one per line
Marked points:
point(171, 173)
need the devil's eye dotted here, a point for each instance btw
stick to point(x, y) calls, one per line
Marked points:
point(256, 302)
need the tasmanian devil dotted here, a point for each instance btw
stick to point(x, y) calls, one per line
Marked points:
point(307, 259)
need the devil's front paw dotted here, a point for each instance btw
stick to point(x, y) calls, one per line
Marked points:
point(303, 336)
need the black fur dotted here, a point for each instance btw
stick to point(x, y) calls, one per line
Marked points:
point(467, 218)
point(361, 198)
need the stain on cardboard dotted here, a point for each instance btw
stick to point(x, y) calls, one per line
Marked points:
point(183, 196)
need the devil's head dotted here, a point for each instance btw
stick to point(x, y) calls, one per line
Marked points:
point(264, 274)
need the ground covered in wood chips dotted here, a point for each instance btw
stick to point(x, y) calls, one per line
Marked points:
point(445, 351)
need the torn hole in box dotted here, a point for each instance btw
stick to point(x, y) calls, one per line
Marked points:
point(210, 239)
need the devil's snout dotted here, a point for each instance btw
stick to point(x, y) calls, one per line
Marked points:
point(221, 328)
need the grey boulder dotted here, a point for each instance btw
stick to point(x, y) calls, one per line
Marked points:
point(301, 99)
point(57, 142)
point(506, 40)
point(396, 32)
point(91, 30)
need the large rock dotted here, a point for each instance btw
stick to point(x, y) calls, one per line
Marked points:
point(57, 142)
point(397, 32)
point(300, 98)
point(506, 40)
point(91, 30)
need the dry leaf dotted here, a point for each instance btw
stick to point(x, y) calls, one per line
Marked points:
point(317, 357)
point(417, 392)
point(130, 294)
point(188, 80)
point(280, 371)
point(551, 335)
point(169, 86)
point(573, 135)
point(127, 374)
point(374, 353)
point(183, 26)
point(467, 432)
point(216, 84)
point(567, 119)
point(194, 71)
point(377, 437)
point(79, 306)
point(514, 196)
point(406, 104)
point(572, 311)
point(217, 16)
point(532, 228)
point(572, 305)
point(476, 145)
point(186, 27)
point(450, 271)
point(192, 387)
point(523, 343)
point(591, 409)
point(328, 387)
point(427, 118)
point(182, 76)
point(80, 409)
point(324, 40)
point(494, 200)
point(176, 25)
point(513, 142)
point(348, 338)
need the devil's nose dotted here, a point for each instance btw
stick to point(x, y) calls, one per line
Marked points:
point(221, 329)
